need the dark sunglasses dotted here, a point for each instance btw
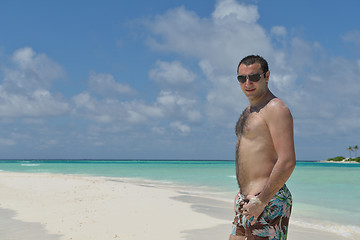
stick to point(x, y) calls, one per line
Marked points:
point(253, 77)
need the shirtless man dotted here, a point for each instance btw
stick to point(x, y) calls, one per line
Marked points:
point(265, 157)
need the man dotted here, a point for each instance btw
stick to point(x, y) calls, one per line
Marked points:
point(265, 157)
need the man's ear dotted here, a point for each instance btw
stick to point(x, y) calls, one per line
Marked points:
point(267, 76)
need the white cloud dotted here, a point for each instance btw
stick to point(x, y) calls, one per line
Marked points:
point(177, 106)
point(106, 85)
point(222, 39)
point(233, 10)
point(27, 59)
point(278, 31)
point(31, 71)
point(171, 73)
point(218, 43)
point(83, 100)
point(140, 112)
point(171, 100)
point(284, 81)
point(102, 111)
point(182, 128)
point(301, 72)
point(40, 103)
point(225, 100)
point(24, 88)
point(352, 37)
point(158, 130)
point(168, 105)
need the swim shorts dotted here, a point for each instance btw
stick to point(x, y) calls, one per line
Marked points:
point(272, 224)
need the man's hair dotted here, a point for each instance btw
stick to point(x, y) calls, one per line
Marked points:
point(251, 59)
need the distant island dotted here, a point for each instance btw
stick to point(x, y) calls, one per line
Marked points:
point(343, 159)
point(350, 159)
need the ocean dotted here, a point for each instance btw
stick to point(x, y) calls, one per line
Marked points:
point(325, 194)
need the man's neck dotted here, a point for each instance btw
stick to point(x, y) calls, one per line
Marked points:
point(257, 104)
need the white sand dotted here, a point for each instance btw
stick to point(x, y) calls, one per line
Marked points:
point(69, 207)
point(79, 208)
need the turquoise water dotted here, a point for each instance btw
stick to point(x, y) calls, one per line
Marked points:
point(219, 174)
point(325, 195)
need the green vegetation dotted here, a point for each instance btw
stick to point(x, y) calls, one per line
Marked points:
point(336, 159)
point(342, 159)
point(350, 159)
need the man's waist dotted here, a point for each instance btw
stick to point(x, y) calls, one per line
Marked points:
point(252, 187)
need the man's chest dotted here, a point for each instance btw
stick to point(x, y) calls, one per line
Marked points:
point(254, 125)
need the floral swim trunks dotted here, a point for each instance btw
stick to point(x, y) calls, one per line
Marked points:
point(273, 222)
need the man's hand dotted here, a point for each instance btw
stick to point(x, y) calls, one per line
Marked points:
point(253, 208)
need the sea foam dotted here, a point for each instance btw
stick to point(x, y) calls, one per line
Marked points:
point(348, 231)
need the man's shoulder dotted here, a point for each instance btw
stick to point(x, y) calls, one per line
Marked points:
point(277, 108)
point(276, 103)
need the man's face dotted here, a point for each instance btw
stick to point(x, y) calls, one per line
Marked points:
point(253, 90)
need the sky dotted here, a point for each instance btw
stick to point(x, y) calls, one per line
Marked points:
point(140, 79)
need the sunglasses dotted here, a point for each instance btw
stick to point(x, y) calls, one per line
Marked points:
point(253, 77)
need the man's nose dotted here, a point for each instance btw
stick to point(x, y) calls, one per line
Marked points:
point(247, 80)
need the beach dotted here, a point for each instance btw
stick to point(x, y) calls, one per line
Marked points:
point(77, 207)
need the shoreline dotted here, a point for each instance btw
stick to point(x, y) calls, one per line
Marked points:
point(122, 159)
point(338, 161)
point(63, 207)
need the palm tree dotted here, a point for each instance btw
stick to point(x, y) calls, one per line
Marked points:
point(350, 149)
point(356, 148)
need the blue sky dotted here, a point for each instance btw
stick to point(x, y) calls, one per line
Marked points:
point(157, 79)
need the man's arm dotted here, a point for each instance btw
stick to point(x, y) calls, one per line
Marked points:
point(280, 123)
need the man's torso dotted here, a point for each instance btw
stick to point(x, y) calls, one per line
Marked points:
point(255, 152)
